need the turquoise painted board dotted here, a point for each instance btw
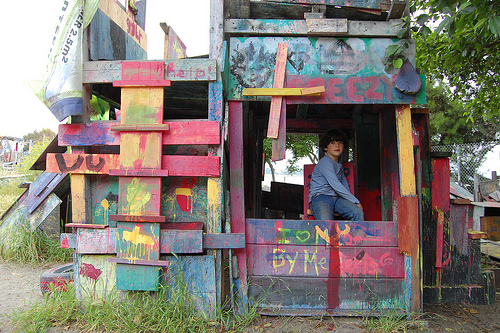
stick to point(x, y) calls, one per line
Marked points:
point(184, 199)
point(138, 241)
point(198, 275)
point(252, 60)
point(104, 193)
point(137, 277)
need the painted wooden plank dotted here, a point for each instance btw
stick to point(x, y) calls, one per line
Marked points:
point(175, 70)
point(405, 149)
point(140, 262)
point(324, 261)
point(95, 241)
point(139, 172)
point(224, 241)
point(408, 229)
point(278, 82)
point(278, 145)
point(141, 83)
point(137, 218)
point(372, 4)
point(140, 150)
point(177, 165)
point(68, 241)
point(104, 199)
point(184, 199)
point(126, 22)
point(100, 133)
point(139, 196)
point(86, 225)
point(473, 234)
point(182, 226)
point(181, 241)
point(358, 89)
point(95, 276)
point(322, 233)
point(137, 277)
point(299, 27)
point(138, 241)
point(44, 190)
point(340, 296)
point(78, 197)
point(81, 163)
point(236, 192)
point(145, 127)
point(283, 91)
point(327, 27)
point(142, 105)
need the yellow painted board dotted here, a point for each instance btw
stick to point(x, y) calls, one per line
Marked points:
point(405, 149)
point(313, 91)
point(78, 203)
point(142, 105)
point(140, 150)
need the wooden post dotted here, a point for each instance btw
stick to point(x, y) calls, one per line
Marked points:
point(408, 207)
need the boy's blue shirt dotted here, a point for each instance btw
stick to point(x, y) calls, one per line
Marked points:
point(328, 178)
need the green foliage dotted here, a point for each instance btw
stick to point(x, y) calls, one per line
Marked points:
point(100, 109)
point(463, 49)
point(300, 145)
point(21, 243)
point(170, 309)
point(45, 135)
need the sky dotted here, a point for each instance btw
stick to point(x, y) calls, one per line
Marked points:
point(28, 27)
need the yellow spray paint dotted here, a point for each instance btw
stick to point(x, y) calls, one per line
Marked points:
point(139, 245)
point(137, 197)
point(105, 206)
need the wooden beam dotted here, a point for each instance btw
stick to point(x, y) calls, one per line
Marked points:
point(268, 27)
point(327, 27)
point(278, 82)
point(312, 91)
point(175, 70)
point(405, 149)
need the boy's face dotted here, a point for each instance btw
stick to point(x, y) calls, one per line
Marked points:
point(334, 149)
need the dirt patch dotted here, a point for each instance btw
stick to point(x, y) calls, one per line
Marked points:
point(20, 286)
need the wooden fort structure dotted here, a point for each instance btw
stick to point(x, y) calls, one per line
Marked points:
point(179, 171)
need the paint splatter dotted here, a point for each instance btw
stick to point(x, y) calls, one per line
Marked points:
point(136, 237)
point(184, 194)
point(88, 270)
point(137, 197)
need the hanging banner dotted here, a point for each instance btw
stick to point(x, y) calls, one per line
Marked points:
point(61, 90)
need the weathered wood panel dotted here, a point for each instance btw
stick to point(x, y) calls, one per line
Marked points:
point(175, 70)
point(385, 29)
point(405, 150)
point(96, 241)
point(324, 261)
point(224, 241)
point(104, 198)
point(182, 241)
point(372, 4)
point(100, 133)
point(337, 296)
point(321, 233)
point(139, 196)
point(312, 57)
point(95, 276)
point(184, 199)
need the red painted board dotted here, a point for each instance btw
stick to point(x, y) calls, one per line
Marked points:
point(68, 241)
point(140, 262)
point(142, 127)
point(224, 241)
point(408, 234)
point(82, 163)
point(176, 165)
point(279, 144)
point(100, 133)
point(143, 70)
point(316, 261)
point(322, 233)
point(139, 172)
point(441, 207)
point(182, 226)
point(137, 218)
point(141, 83)
point(278, 82)
point(181, 241)
point(85, 225)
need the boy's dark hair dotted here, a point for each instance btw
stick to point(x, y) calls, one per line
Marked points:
point(332, 135)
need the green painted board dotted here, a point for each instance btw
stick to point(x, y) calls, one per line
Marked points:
point(137, 277)
point(104, 193)
point(138, 241)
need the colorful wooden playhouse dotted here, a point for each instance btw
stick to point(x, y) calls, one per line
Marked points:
point(180, 171)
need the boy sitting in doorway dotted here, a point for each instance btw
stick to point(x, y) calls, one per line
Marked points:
point(329, 192)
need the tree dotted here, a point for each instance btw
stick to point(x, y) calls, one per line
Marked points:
point(300, 145)
point(463, 49)
point(44, 135)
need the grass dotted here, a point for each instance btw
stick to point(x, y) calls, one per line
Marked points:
point(9, 187)
point(392, 322)
point(165, 310)
point(22, 244)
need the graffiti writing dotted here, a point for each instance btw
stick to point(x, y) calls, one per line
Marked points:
point(252, 66)
point(61, 163)
point(188, 72)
